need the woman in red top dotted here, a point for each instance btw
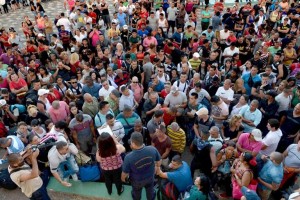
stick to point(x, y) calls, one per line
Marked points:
point(169, 115)
point(31, 48)
point(152, 52)
point(4, 39)
point(17, 85)
point(144, 14)
point(140, 54)
point(75, 63)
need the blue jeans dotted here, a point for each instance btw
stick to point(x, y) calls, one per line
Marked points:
point(40, 194)
point(137, 187)
point(68, 167)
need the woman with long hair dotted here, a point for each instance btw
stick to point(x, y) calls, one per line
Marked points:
point(243, 101)
point(244, 173)
point(44, 76)
point(232, 128)
point(160, 37)
point(109, 156)
point(200, 189)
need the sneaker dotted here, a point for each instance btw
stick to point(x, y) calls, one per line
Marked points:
point(74, 177)
point(224, 196)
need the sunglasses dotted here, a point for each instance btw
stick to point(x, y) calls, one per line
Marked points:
point(134, 82)
point(73, 82)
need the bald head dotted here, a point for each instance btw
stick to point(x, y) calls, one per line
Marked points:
point(88, 98)
point(135, 79)
point(55, 104)
point(277, 157)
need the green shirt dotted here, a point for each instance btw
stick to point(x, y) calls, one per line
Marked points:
point(273, 51)
point(205, 13)
point(296, 98)
point(196, 194)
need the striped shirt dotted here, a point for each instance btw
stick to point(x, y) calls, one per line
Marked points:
point(128, 122)
point(177, 139)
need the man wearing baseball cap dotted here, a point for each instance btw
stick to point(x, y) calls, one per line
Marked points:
point(250, 142)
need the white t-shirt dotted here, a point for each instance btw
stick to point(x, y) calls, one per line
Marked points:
point(229, 52)
point(224, 35)
point(227, 94)
point(165, 77)
point(283, 102)
point(66, 22)
point(181, 86)
point(172, 13)
point(104, 93)
point(174, 101)
point(271, 140)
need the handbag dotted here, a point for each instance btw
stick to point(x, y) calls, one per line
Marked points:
point(81, 158)
point(88, 171)
point(224, 168)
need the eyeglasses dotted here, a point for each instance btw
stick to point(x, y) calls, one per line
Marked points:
point(134, 82)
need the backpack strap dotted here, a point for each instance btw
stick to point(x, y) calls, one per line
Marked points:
point(99, 118)
point(19, 169)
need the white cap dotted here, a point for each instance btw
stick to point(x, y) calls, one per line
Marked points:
point(125, 27)
point(174, 89)
point(196, 55)
point(257, 135)
point(2, 102)
point(202, 111)
point(41, 35)
point(41, 92)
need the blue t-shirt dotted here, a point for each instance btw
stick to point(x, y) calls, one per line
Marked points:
point(246, 78)
point(181, 177)
point(122, 19)
point(142, 33)
point(140, 164)
point(159, 87)
point(271, 173)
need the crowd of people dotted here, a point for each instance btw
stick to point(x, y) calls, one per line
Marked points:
point(229, 95)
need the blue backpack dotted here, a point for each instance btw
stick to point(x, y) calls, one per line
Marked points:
point(21, 108)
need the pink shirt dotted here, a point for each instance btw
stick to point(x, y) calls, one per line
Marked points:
point(245, 143)
point(59, 114)
point(94, 37)
point(137, 90)
point(4, 84)
point(147, 42)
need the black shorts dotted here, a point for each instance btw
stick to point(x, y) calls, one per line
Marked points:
point(171, 24)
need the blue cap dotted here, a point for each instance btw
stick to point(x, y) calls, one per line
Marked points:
point(249, 194)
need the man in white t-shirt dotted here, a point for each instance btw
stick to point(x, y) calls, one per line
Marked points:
point(105, 90)
point(270, 142)
point(284, 99)
point(225, 92)
point(171, 11)
point(182, 83)
point(63, 21)
point(229, 51)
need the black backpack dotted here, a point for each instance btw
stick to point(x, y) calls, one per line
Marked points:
point(5, 180)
